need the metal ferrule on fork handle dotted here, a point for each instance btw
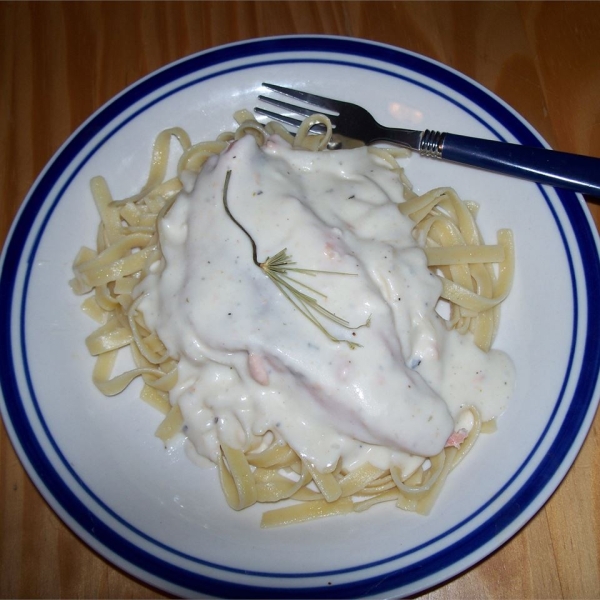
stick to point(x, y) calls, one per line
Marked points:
point(431, 143)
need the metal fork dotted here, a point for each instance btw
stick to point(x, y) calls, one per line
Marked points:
point(353, 125)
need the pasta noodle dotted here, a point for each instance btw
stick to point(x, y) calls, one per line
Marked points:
point(475, 277)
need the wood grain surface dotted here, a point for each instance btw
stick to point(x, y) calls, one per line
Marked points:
point(59, 62)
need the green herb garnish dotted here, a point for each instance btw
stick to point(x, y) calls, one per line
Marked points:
point(277, 268)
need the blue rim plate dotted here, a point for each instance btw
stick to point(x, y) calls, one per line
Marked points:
point(161, 518)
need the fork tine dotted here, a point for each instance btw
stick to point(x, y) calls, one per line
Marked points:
point(320, 101)
point(301, 110)
point(287, 120)
point(277, 117)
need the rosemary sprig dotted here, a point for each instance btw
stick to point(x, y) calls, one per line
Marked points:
point(277, 268)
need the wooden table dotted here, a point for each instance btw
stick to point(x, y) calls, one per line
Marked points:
point(59, 62)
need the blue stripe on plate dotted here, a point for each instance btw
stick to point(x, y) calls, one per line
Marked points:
point(67, 501)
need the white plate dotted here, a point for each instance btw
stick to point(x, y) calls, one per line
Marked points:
point(159, 517)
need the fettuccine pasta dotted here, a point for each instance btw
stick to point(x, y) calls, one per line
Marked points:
point(475, 279)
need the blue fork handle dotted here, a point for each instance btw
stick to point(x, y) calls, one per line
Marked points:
point(560, 169)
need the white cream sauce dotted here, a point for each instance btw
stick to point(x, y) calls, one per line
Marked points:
point(250, 362)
